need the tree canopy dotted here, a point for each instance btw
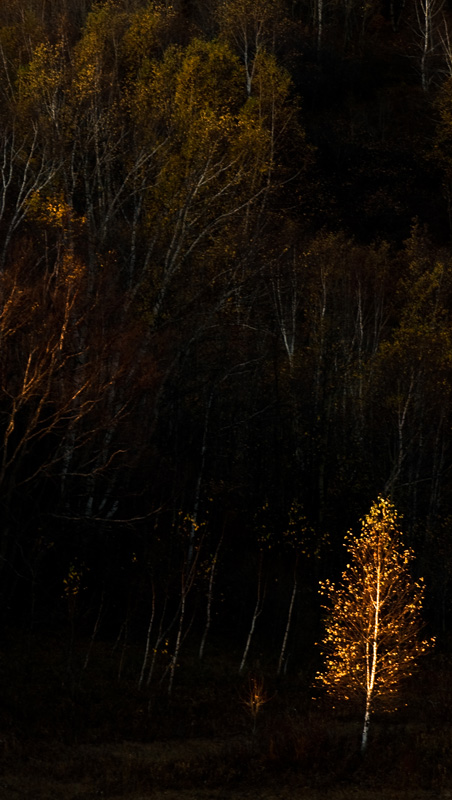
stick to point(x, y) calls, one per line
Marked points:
point(225, 285)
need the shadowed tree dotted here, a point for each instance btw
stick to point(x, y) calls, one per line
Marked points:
point(251, 27)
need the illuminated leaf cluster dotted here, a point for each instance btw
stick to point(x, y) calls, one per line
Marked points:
point(72, 582)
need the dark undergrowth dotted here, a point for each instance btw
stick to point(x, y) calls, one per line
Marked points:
point(66, 722)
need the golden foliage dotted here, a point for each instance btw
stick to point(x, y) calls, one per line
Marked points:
point(42, 82)
point(256, 696)
point(52, 211)
point(374, 614)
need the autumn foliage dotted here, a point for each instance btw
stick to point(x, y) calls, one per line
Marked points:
point(225, 325)
point(373, 632)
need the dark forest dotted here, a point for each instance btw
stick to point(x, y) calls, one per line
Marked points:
point(225, 331)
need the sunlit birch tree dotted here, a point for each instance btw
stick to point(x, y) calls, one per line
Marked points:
point(373, 629)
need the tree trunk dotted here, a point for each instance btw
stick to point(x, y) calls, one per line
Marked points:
point(365, 727)
point(289, 620)
point(256, 613)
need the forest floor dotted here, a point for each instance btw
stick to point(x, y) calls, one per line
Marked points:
point(100, 737)
point(174, 770)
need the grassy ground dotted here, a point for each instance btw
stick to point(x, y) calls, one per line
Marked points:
point(170, 770)
point(177, 770)
point(68, 733)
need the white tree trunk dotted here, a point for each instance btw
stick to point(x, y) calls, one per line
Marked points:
point(289, 620)
point(365, 728)
point(148, 641)
point(372, 656)
point(256, 613)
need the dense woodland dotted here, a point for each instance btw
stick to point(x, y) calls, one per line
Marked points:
point(225, 321)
